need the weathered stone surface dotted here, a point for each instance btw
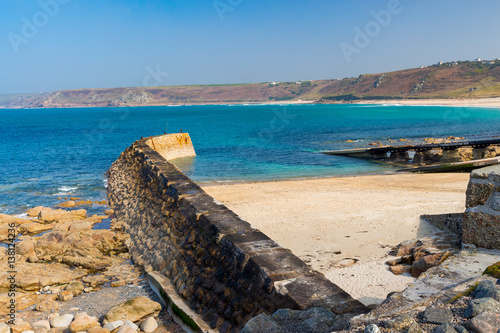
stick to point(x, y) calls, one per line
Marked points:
point(25, 247)
point(126, 329)
point(88, 263)
point(134, 309)
point(415, 328)
point(444, 328)
point(482, 229)
point(76, 288)
point(98, 330)
point(149, 325)
point(34, 228)
point(286, 314)
point(128, 323)
point(33, 212)
point(20, 326)
point(261, 323)
point(95, 244)
point(113, 325)
point(95, 280)
point(437, 315)
point(461, 329)
point(118, 283)
point(4, 328)
point(65, 295)
point(372, 328)
point(400, 269)
point(80, 226)
point(47, 306)
point(480, 305)
point(83, 322)
point(401, 322)
point(66, 204)
point(318, 319)
point(41, 323)
point(486, 322)
point(478, 193)
point(487, 289)
point(427, 262)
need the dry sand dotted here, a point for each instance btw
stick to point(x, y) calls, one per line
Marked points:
point(478, 102)
point(326, 221)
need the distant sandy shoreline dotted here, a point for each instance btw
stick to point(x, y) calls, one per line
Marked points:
point(479, 102)
point(326, 221)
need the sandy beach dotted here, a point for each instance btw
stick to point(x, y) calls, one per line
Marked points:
point(332, 222)
point(478, 102)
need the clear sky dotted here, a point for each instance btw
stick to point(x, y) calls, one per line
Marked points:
point(49, 45)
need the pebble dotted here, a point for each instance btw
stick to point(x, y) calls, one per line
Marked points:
point(62, 321)
point(372, 328)
point(41, 323)
point(149, 325)
point(113, 325)
point(130, 324)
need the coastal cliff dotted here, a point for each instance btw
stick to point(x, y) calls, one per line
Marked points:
point(452, 80)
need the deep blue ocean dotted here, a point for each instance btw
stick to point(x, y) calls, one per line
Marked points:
point(51, 153)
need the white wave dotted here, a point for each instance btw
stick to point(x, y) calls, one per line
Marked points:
point(23, 215)
point(105, 181)
point(67, 189)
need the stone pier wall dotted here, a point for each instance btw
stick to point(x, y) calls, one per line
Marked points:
point(481, 225)
point(226, 270)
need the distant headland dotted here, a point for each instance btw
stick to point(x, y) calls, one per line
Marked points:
point(460, 82)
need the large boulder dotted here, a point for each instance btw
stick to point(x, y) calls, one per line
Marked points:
point(261, 323)
point(480, 305)
point(134, 309)
point(61, 321)
point(76, 288)
point(486, 322)
point(83, 322)
point(20, 326)
point(89, 243)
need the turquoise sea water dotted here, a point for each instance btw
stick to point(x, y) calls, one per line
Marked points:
point(51, 153)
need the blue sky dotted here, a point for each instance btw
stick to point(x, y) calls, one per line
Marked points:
point(105, 43)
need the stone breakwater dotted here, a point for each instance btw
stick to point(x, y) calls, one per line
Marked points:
point(226, 270)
